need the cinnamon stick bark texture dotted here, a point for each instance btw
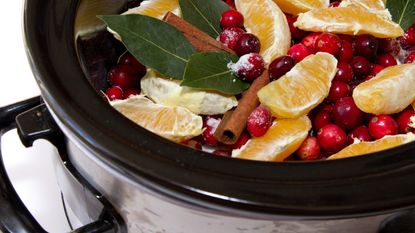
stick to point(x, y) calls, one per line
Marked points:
point(233, 123)
point(201, 41)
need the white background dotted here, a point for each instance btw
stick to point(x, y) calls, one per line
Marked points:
point(31, 169)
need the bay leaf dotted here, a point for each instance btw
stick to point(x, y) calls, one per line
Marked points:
point(209, 71)
point(156, 44)
point(402, 11)
point(204, 15)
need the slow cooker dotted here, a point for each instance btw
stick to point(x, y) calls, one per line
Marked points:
point(118, 177)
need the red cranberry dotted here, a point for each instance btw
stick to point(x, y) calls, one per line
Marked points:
point(361, 66)
point(408, 39)
point(248, 67)
point(210, 124)
point(369, 77)
point(130, 60)
point(334, 4)
point(386, 60)
point(309, 150)
point(366, 46)
point(231, 4)
point(114, 93)
point(326, 107)
point(382, 125)
point(259, 121)
point(410, 58)
point(242, 140)
point(299, 52)
point(232, 18)
point(353, 84)
point(247, 43)
point(123, 75)
point(230, 36)
point(346, 51)
point(360, 133)
point(348, 38)
point(346, 114)
point(193, 144)
point(332, 138)
point(376, 69)
point(321, 119)
point(224, 153)
point(329, 43)
point(131, 92)
point(310, 40)
point(280, 67)
point(344, 72)
point(338, 90)
point(406, 121)
point(296, 33)
point(389, 45)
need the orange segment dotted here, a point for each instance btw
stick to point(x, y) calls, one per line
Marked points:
point(174, 123)
point(375, 6)
point(384, 143)
point(156, 8)
point(265, 19)
point(349, 20)
point(296, 7)
point(301, 89)
point(391, 91)
point(283, 138)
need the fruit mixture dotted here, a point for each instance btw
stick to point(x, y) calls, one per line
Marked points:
point(338, 76)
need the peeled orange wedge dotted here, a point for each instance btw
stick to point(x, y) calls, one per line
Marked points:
point(174, 123)
point(351, 20)
point(301, 89)
point(265, 19)
point(384, 143)
point(156, 8)
point(296, 7)
point(375, 6)
point(283, 138)
point(391, 91)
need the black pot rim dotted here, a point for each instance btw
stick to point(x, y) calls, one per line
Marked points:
point(372, 184)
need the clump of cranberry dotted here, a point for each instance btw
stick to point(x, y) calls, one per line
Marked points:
point(259, 121)
point(248, 67)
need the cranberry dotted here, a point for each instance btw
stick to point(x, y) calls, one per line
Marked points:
point(231, 4)
point(361, 66)
point(346, 114)
point(369, 77)
point(410, 58)
point(332, 138)
point(386, 60)
point(131, 92)
point(329, 43)
point(353, 84)
point(210, 124)
point(114, 93)
point(348, 38)
point(224, 153)
point(123, 75)
point(259, 121)
point(376, 69)
point(406, 121)
point(130, 60)
point(326, 107)
point(346, 51)
point(242, 140)
point(366, 46)
point(382, 125)
point(334, 4)
point(360, 133)
point(299, 52)
point(344, 72)
point(321, 119)
point(309, 149)
point(247, 43)
point(338, 90)
point(230, 36)
point(389, 45)
point(310, 40)
point(280, 67)
point(193, 144)
point(248, 67)
point(232, 18)
point(408, 39)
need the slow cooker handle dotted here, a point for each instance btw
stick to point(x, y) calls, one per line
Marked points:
point(14, 216)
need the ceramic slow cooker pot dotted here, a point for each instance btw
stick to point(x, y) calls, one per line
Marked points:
point(118, 177)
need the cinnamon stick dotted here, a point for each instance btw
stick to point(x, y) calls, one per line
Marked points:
point(201, 41)
point(233, 123)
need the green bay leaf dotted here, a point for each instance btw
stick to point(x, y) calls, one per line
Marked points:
point(153, 42)
point(209, 71)
point(203, 14)
point(402, 11)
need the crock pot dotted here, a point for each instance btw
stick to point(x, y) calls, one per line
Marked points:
point(118, 177)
